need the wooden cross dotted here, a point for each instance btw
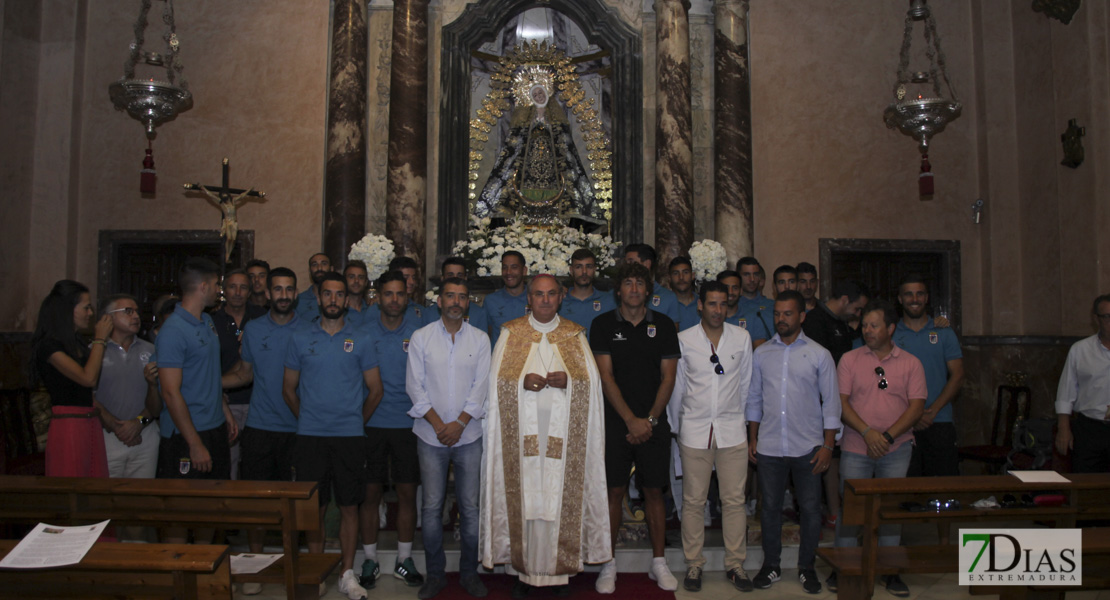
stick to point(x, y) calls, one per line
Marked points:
point(228, 200)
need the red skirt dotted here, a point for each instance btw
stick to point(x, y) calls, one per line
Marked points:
point(75, 445)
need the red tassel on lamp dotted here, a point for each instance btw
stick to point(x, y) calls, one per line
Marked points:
point(925, 179)
point(148, 177)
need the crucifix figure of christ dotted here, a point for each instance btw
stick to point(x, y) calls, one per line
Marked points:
point(228, 200)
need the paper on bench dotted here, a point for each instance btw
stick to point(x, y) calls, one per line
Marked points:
point(252, 563)
point(53, 546)
point(1040, 476)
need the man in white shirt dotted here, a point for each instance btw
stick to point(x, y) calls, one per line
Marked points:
point(448, 379)
point(710, 390)
point(1085, 390)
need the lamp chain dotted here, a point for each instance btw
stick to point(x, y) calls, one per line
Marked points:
point(137, 44)
point(174, 68)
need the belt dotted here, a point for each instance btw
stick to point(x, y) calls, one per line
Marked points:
point(94, 413)
point(1103, 422)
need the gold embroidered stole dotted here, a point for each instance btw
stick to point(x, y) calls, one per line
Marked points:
point(517, 348)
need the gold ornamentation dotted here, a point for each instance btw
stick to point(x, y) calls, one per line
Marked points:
point(554, 447)
point(531, 445)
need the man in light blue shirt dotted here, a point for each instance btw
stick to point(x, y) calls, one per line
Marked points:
point(682, 282)
point(308, 307)
point(390, 443)
point(509, 302)
point(934, 449)
point(662, 300)
point(448, 381)
point(584, 302)
point(475, 314)
point(793, 416)
point(332, 384)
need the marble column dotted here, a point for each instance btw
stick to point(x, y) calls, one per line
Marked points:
point(345, 173)
point(733, 131)
point(406, 188)
point(674, 203)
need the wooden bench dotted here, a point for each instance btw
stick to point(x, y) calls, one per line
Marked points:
point(182, 571)
point(874, 502)
point(290, 507)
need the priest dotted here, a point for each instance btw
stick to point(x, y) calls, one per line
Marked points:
point(544, 510)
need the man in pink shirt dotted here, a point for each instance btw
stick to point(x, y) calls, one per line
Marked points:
point(882, 393)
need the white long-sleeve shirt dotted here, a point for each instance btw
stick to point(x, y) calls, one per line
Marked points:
point(450, 376)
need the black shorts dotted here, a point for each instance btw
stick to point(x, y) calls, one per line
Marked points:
point(174, 462)
point(391, 456)
point(935, 452)
point(338, 462)
point(266, 455)
point(652, 458)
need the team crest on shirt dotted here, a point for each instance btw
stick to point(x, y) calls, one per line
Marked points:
point(405, 345)
point(466, 319)
point(144, 357)
point(743, 323)
point(655, 300)
point(651, 331)
point(597, 305)
point(183, 466)
point(418, 311)
point(348, 345)
point(933, 338)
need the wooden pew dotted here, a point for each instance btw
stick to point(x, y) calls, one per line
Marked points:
point(181, 571)
point(874, 502)
point(290, 507)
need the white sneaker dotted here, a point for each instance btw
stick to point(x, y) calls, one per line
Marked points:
point(251, 589)
point(348, 584)
point(607, 578)
point(662, 575)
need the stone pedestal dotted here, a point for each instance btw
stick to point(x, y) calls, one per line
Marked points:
point(345, 174)
point(406, 191)
point(733, 129)
point(674, 210)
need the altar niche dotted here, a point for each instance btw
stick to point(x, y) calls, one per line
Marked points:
point(145, 263)
point(605, 53)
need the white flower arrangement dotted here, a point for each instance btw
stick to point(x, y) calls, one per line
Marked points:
point(707, 258)
point(374, 250)
point(545, 249)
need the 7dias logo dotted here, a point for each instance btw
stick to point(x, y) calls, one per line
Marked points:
point(1021, 557)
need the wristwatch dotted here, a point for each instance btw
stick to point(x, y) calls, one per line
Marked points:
point(886, 436)
point(144, 421)
point(652, 420)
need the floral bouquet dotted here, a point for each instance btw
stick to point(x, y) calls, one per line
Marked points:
point(374, 250)
point(545, 249)
point(707, 258)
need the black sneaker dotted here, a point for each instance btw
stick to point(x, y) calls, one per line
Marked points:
point(740, 579)
point(692, 581)
point(896, 586)
point(831, 582)
point(520, 589)
point(406, 571)
point(809, 581)
point(767, 576)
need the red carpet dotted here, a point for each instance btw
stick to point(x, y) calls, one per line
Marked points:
point(629, 585)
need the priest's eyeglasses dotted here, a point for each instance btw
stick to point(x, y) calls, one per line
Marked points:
point(882, 377)
point(717, 368)
point(127, 311)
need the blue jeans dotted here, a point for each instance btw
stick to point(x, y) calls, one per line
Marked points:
point(774, 474)
point(434, 462)
point(861, 466)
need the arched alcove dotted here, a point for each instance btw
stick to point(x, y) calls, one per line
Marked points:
point(479, 24)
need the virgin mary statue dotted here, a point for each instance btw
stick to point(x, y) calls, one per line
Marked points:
point(538, 175)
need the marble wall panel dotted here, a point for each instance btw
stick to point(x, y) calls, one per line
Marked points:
point(380, 33)
point(701, 103)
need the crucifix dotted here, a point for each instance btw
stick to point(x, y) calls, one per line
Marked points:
point(228, 200)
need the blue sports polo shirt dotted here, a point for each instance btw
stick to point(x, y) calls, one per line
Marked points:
point(265, 344)
point(757, 319)
point(307, 304)
point(759, 302)
point(934, 347)
point(392, 348)
point(331, 387)
point(663, 300)
point(476, 315)
point(502, 308)
point(687, 314)
point(191, 344)
point(583, 312)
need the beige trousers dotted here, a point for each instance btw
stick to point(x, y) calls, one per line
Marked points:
point(732, 475)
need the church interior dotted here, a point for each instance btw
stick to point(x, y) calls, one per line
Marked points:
point(755, 123)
